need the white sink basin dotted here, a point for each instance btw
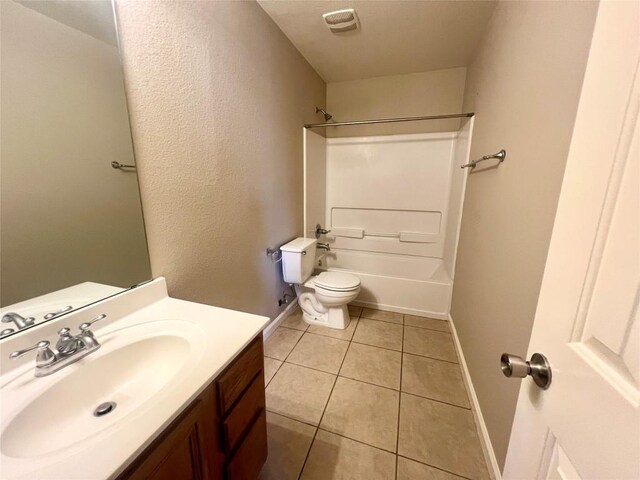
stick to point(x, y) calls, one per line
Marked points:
point(137, 366)
point(63, 415)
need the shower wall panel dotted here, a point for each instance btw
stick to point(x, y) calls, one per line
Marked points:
point(389, 194)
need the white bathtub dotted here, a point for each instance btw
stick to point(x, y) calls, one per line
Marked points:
point(399, 283)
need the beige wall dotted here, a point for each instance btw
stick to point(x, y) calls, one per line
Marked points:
point(524, 85)
point(218, 97)
point(67, 216)
point(428, 93)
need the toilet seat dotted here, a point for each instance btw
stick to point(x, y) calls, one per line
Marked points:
point(337, 282)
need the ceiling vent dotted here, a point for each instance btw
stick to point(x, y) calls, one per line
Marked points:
point(342, 20)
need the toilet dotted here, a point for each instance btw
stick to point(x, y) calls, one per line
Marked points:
point(323, 298)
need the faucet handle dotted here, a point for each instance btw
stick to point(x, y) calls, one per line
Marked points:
point(67, 343)
point(84, 327)
point(6, 331)
point(45, 355)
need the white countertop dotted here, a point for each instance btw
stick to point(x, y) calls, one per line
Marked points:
point(215, 337)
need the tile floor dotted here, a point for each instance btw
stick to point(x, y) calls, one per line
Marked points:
point(383, 399)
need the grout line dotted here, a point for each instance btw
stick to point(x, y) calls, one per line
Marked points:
point(289, 362)
point(294, 347)
point(323, 412)
point(369, 383)
point(289, 328)
point(433, 466)
point(359, 441)
point(400, 397)
point(306, 457)
point(274, 373)
point(438, 401)
point(377, 346)
point(326, 336)
point(353, 319)
point(431, 329)
point(380, 320)
point(431, 358)
point(291, 418)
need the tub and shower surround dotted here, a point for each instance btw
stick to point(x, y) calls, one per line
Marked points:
point(393, 204)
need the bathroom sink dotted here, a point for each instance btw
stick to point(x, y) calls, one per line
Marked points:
point(135, 368)
point(63, 415)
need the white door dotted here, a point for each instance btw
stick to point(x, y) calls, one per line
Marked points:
point(587, 424)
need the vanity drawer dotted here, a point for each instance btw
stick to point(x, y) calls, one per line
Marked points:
point(248, 460)
point(235, 380)
point(248, 408)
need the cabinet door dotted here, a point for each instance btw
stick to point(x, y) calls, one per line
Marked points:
point(248, 460)
point(186, 451)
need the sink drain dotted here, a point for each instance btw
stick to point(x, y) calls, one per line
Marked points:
point(104, 409)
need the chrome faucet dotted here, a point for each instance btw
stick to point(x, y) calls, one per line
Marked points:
point(321, 231)
point(18, 319)
point(324, 246)
point(69, 349)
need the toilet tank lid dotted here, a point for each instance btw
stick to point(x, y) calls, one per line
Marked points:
point(298, 245)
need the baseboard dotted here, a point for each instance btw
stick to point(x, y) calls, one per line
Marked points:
point(393, 308)
point(492, 463)
point(279, 319)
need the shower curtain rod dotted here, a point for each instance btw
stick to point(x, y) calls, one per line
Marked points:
point(388, 120)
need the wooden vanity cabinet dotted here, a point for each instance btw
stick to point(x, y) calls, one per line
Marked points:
point(222, 435)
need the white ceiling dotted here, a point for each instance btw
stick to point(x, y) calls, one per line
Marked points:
point(396, 37)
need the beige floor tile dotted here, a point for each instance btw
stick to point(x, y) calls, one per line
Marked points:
point(317, 351)
point(342, 334)
point(299, 393)
point(440, 435)
point(429, 343)
point(289, 442)
point(374, 314)
point(363, 412)
point(425, 322)
point(434, 379)
point(281, 342)
point(372, 365)
point(410, 470)
point(378, 334)
point(337, 458)
point(271, 366)
point(295, 321)
point(354, 310)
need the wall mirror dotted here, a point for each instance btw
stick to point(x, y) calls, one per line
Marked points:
point(71, 225)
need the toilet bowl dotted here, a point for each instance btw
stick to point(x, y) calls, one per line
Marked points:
point(323, 298)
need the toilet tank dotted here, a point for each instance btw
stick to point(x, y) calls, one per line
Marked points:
point(298, 260)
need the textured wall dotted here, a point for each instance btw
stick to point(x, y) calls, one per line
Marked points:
point(218, 97)
point(67, 216)
point(524, 85)
point(427, 93)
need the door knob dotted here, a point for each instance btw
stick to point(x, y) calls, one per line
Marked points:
point(538, 367)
